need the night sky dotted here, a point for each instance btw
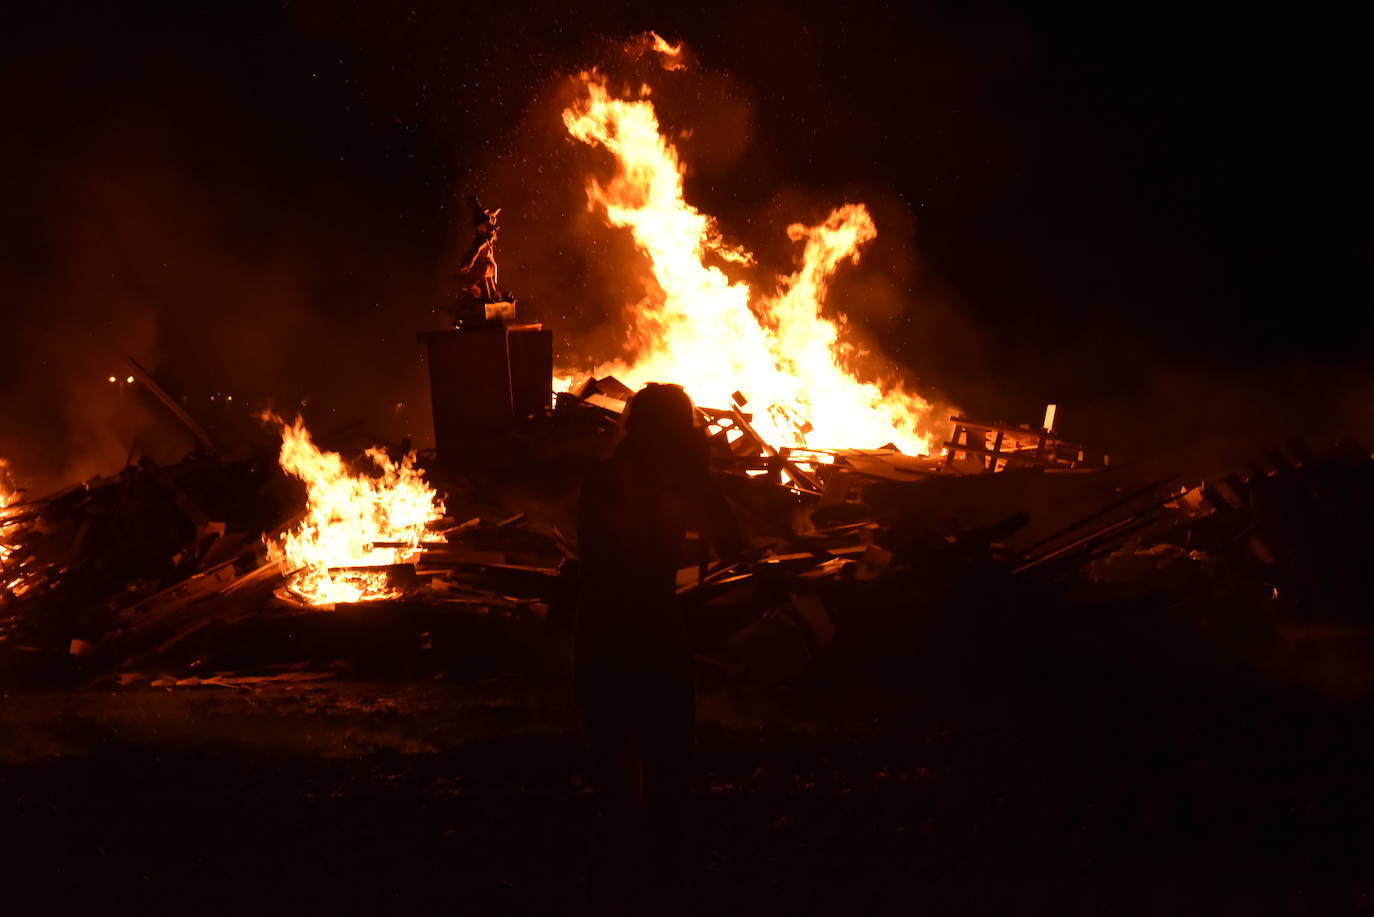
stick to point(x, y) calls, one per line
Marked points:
point(1155, 217)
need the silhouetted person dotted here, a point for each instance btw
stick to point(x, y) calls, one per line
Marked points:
point(633, 662)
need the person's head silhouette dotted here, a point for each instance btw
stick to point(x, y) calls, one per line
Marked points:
point(661, 428)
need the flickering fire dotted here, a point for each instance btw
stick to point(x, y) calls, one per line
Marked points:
point(672, 53)
point(714, 335)
point(353, 521)
point(9, 495)
point(12, 575)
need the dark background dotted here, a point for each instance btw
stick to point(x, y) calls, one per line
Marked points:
point(1154, 217)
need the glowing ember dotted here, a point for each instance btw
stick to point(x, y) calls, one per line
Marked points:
point(352, 521)
point(714, 335)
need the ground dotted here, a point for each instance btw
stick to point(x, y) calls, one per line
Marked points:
point(1013, 771)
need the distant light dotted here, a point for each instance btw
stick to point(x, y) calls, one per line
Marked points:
point(113, 380)
point(130, 380)
point(228, 397)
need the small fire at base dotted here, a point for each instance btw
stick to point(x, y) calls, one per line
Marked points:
point(355, 524)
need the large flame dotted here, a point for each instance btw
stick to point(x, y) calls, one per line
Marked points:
point(714, 335)
point(352, 521)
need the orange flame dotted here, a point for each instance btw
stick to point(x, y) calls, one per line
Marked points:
point(11, 578)
point(9, 495)
point(672, 53)
point(669, 55)
point(714, 335)
point(347, 516)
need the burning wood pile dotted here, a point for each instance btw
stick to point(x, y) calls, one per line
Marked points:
point(110, 556)
point(126, 568)
point(121, 567)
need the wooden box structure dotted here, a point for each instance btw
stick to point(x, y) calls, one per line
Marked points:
point(482, 380)
point(1001, 445)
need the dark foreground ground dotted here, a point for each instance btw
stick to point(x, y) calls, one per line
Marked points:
point(1004, 769)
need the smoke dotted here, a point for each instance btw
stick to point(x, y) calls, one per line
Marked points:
point(265, 203)
point(159, 211)
point(1205, 422)
point(270, 217)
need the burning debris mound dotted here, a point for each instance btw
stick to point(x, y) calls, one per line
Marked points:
point(865, 520)
point(850, 548)
point(121, 567)
point(106, 557)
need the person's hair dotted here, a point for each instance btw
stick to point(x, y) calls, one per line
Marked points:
point(661, 430)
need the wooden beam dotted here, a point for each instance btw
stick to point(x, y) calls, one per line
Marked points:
point(1008, 457)
point(801, 478)
point(196, 430)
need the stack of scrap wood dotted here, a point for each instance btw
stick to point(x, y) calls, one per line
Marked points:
point(111, 556)
point(983, 446)
point(125, 568)
point(1294, 522)
point(737, 447)
point(817, 533)
point(509, 564)
point(840, 532)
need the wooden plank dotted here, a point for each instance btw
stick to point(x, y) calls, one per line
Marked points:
point(716, 414)
point(1025, 432)
point(803, 480)
point(1218, 502)
point(170, 403)
point(1017, 457)
point(950, 447)
point(262, 574)
point(606, 403)
point(1114, 505)
point(1087, 542)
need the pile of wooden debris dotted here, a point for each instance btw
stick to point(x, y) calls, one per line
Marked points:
point(122, 571)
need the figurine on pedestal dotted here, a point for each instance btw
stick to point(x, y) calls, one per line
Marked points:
point(480, 301)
